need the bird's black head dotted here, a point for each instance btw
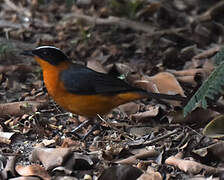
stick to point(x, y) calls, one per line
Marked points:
point(51, 54)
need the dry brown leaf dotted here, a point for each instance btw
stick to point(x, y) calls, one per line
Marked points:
point(215, 128)
point(5, 137)
point(129, 108)
point(166, 83)
point(144, 153)
point(142, 116)
point(20, 108)
point(9, 168)
point(216, 149)
point(190, 166)
point(96, 66)
point(150, 174)
point(69, 143)
point(50, 157)
point(33, 170)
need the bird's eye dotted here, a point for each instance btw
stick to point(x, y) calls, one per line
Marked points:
point(45, 52)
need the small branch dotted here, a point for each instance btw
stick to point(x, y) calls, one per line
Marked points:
point(211, 12)
point(147, 143)
point(125, 23)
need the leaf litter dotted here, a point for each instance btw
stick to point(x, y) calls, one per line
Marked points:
point(159, 46)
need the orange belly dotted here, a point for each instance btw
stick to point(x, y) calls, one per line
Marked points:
point(91, 105)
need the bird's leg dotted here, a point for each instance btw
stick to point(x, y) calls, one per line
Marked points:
point(95, 126)
point(86, 122)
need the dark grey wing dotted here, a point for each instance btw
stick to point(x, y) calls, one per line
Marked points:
point(79, 79)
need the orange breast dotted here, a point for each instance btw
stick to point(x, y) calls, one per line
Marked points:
point(86, 105)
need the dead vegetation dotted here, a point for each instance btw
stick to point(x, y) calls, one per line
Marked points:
point(161, 46)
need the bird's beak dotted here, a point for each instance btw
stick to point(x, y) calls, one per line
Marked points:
point(27, 53)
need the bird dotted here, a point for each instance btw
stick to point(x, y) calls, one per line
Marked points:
point(83, 91)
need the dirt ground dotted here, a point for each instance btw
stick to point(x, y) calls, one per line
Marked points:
point(160, 46)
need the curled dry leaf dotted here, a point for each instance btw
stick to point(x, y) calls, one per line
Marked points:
point(47, 142)
point(9, 168)
point(152, 112)
point(190, 166)
point(189, 76)
point(216, 149)
point(33, 170)
point(121, 172)
point(64, 170)
point(150, 174)
point(20, 108)
point(5, 137)
point(129, 108)
point(83, 162)
point(50, 157)
point(166, 83)
point(144, 153)
point(96, 66)
point(215, 129)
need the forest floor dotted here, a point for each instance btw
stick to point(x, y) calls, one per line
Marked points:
point(161, 46)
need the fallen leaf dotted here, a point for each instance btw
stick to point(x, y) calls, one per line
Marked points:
point(9, 168)
point(190, 166)
point(142, 116)
point(96, 66)
point(215, 129)
point(20, 108)
point(33, 170)
point(50, 157)
point(5, 137)
point(150, 174)
point(216, 150)
point(129, 108)
point(142, 154)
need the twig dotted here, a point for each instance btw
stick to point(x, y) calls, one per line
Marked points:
point(211, 12)
point(147, 143)
point(125, 23)
point(109, 124)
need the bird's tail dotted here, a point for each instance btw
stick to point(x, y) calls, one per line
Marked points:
point(161, 96)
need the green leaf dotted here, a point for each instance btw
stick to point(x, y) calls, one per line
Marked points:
point(210, 88)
